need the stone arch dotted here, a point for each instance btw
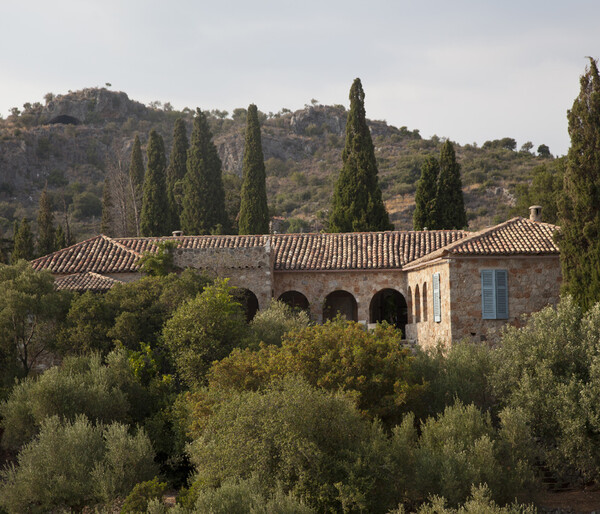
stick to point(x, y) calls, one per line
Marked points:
point(417, 305)
point(409, 305)
point(341, 302)
point(248, 300)
point(424, 305)
point(389, 305)
point(295, 299)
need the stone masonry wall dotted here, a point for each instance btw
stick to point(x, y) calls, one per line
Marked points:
point(316, 285)
point(423, 329)
point(533, 283)
point(248, 268)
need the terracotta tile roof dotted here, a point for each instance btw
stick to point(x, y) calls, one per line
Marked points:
point(517, 236)
point(88, 281)
point(314, 252)
point(100, 254)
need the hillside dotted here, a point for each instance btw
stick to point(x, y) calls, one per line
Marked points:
point(71, 141)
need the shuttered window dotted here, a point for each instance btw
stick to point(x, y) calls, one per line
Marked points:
point(494, 294)
point(437, 311)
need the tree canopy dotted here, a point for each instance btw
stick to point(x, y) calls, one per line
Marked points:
point(155, 217)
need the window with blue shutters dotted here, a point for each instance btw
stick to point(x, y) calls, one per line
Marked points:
point(494, 294)
point(437, 310)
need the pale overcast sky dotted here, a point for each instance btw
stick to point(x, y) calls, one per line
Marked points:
point(466, 70)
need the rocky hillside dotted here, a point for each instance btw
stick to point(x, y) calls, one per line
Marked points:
point(71, 141)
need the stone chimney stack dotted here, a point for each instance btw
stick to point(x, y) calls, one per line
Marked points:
point(535, 213)
point(177, 233)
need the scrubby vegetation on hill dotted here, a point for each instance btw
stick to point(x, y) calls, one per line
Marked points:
point(72, 141)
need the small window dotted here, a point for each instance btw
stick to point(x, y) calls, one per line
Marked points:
point(494, 294)
point(437, 303)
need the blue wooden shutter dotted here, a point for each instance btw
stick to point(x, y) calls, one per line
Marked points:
point(501, 294)
point(437, 311)
point(488, 294)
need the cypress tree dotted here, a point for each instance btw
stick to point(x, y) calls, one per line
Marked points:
point(357, 202)
point(203, 203)
point(449, 205)
point(107, 206)
point(579, 208)
point(177, 170)
point(23, 243)
point(60, 241)
point(136, 184)
point(425, 215)
point(254, 212)
point(154, 219)
point(45, 226)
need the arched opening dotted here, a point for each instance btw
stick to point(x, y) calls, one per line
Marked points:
point(389, 305)
point(248, 300)
point(417, 305)
point(295, 299)
point(425, 301)
point(341, 302)
point(409, 306)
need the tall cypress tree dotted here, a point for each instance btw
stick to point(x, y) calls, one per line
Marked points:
point(357, 202)
point(136, 184)
point(449, 204)
point(254, 212)
point(45, 226)
point(177, 170)
point(106, 225)
point(579, 208)
point(60, 240)
point(155, 219)
point(425, 215)
point(23, 242)
point(203, 193)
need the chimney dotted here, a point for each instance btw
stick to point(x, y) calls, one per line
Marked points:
point(535, 213)
point(177, 233)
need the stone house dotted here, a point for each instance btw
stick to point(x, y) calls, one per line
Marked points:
point(434, 284)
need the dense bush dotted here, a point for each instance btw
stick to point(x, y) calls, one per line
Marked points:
point(550, 369)
point(81, 385)
point(270, 325)
point(205, 329)
point(290, 435)
point(142, 494)
point(371, 366)
point(72, 464)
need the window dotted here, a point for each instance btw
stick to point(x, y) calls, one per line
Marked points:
point(437, 304)
point(494, 294)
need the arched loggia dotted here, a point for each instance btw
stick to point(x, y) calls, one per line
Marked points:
point(295, 299)
point(248, 300)
point(389, 305)
point(341, 302)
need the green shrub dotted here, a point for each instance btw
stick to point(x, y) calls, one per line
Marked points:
point(141, 495)
point(72, 464)
point(81, 385)
point(271, 324)
point(205, 329)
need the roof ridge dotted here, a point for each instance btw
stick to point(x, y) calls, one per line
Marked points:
point(99, 236)
point(124, 247)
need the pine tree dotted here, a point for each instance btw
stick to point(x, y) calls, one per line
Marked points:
point(579, 209)
point(45, 226)
point(23, 242)
point(154, 219)
point(425, 215)
point(136, 184)
point(254, 212)
point(177, 170)
point(357, 203)
point(106, 226)
point(449, 204)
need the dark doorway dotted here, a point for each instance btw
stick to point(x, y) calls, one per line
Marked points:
point(295, 299)
point(389, 305)
point(341, 302)
point(248, 300)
